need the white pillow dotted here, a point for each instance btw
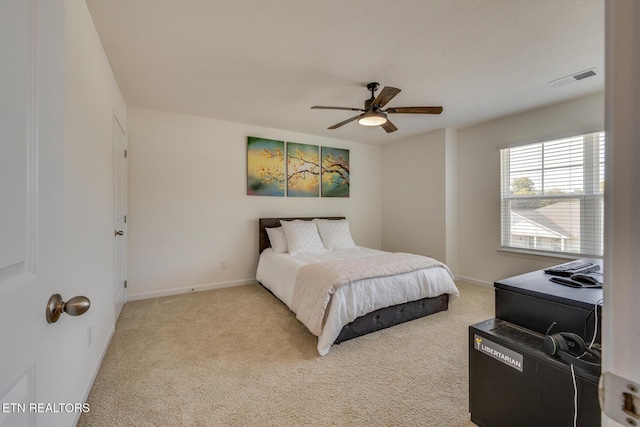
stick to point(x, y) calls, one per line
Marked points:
point(335, 234)
point(278, 240)
point(302, 237)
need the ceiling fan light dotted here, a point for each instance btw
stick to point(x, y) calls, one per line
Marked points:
point(372, 118)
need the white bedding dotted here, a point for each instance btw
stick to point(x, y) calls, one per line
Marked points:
point(277, 272)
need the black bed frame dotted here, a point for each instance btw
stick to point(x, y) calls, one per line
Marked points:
point(376, 320)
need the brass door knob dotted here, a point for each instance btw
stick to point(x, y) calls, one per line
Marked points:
point(74, 307)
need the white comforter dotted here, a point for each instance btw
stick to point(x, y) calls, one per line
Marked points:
point(278, 272)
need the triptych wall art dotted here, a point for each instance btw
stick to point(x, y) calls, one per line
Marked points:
point(297, 170)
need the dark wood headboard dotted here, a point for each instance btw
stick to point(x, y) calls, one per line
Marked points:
point(265, 223)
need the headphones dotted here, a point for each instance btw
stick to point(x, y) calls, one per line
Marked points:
point(571, 347)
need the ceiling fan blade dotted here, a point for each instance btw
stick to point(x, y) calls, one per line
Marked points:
point(414, 110)
point(385, 96)
point(344, 123)
point(389, 127)
point(320, 107)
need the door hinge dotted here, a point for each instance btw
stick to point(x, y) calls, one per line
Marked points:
point(125, 284)
point(620, 399)
point(125, 219)
point(125, 154)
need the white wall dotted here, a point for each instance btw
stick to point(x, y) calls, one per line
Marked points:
point(92, 96)
point(436, 194)
point(188, 208)
point(441, 190)
point(479, 182)
point(415, 189)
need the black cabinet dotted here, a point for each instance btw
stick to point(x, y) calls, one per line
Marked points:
point(533, 301)
point(512, 382)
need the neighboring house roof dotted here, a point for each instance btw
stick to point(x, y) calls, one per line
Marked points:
point(560, 220)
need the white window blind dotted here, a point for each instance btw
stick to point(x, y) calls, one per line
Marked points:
point(552, 196)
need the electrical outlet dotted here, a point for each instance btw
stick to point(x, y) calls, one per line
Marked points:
point(223, 265)
point(89, 337)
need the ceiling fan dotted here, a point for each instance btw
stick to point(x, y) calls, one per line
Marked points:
point(374, 115)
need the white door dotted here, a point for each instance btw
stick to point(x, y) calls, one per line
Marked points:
point(119, 216)
point(621, 310)
point(31, 212)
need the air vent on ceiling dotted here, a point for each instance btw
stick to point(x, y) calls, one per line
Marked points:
point(573, 78)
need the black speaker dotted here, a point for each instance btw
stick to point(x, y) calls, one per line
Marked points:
point(571, 348)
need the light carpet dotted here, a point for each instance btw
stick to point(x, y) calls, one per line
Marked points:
point(238, 357)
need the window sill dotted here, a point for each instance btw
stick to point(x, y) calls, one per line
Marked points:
point(542, 256)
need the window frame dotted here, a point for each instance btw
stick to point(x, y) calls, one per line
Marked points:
point(589, 198)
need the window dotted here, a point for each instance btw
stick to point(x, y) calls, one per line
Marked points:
point(552, 196)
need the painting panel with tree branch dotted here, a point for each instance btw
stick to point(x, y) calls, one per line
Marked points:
point(265, 167)
point(303, 170)
point(335, 172)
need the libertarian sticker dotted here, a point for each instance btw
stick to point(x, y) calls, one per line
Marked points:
point(498, 352)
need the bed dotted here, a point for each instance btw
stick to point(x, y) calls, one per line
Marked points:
point(363, 304)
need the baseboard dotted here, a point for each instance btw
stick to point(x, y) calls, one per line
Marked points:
point(96, 368)
point(474, 281)
point(188, 289)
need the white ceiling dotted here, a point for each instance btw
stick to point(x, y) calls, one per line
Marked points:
point(266, 62)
